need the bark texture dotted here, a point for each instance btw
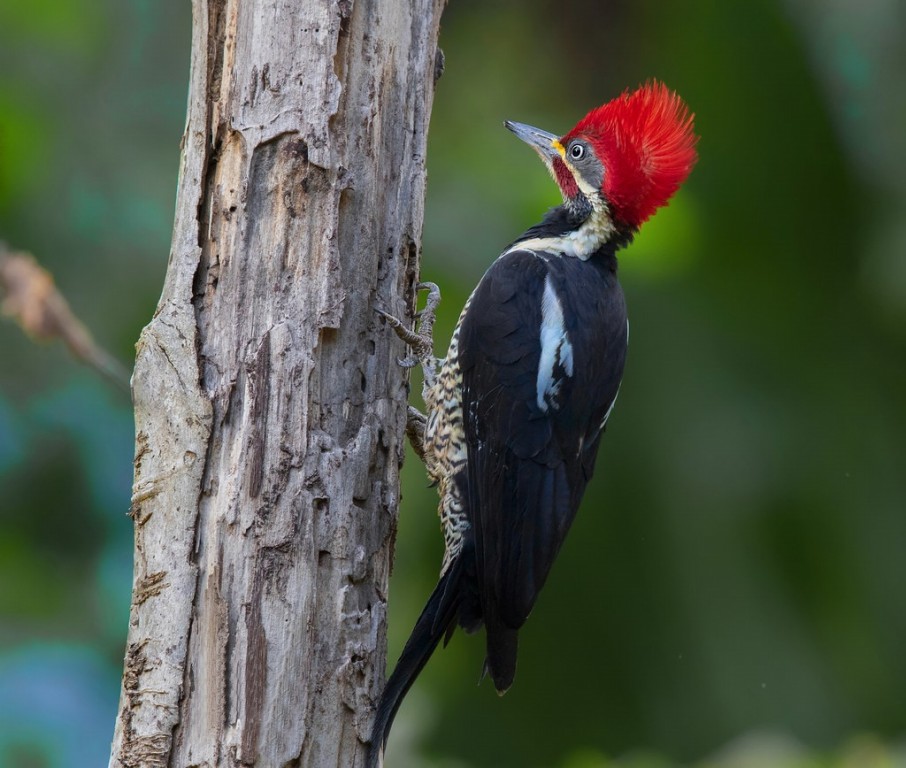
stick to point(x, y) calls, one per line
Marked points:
point(269, 407)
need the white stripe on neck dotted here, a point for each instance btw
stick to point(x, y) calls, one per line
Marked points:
point(580, 243)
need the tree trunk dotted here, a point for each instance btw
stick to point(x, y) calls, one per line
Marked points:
point(268, 404)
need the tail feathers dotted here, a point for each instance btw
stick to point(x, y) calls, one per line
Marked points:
point(502, 646)
point(439, 614)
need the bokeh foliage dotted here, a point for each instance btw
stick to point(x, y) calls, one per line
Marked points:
point(732, 592)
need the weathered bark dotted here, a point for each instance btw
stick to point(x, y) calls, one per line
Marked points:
point(269, 407)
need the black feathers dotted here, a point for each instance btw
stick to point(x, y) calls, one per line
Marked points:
point(532, 375)
point(529, 462)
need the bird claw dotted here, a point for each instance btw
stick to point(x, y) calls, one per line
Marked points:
point(420, 339)
point(416, 422)
point(393, 321)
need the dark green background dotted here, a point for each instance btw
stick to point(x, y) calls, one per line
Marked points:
point(732, 593)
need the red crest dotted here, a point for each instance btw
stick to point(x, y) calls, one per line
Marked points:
point(646, 142)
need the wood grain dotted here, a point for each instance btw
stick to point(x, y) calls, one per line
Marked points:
point(269, 407)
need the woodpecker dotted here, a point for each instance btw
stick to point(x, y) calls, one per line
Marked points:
point(516, 409)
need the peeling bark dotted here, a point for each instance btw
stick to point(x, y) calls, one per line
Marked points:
point(269, 407)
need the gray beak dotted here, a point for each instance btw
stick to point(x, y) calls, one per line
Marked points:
point(541, 141)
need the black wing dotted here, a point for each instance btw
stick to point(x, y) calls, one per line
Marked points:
point(532, 439)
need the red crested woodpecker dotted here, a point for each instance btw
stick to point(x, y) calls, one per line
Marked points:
point(516, 410)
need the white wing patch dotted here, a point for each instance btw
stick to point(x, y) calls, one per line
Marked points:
point(555, 347)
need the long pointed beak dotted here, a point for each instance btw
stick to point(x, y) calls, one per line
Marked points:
point(547, 145)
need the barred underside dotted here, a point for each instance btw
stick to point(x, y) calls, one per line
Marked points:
point(445, 446)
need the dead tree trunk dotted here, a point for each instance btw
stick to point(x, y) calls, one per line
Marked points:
point(269, 409)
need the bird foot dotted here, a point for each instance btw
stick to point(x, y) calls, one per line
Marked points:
point(420, 339)
point(416, 422)
point(421, 342)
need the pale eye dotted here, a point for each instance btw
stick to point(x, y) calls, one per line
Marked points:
point(577, 152)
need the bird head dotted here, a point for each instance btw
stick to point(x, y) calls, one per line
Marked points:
point(624, 159)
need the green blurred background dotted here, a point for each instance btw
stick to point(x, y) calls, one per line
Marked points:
point(733, 592)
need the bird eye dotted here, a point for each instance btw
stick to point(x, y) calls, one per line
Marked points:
point(577, 151)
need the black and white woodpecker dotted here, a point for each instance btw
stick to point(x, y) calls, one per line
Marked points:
point(516, 410)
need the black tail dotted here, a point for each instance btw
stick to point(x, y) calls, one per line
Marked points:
point(438, 615)
point(502, 645)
